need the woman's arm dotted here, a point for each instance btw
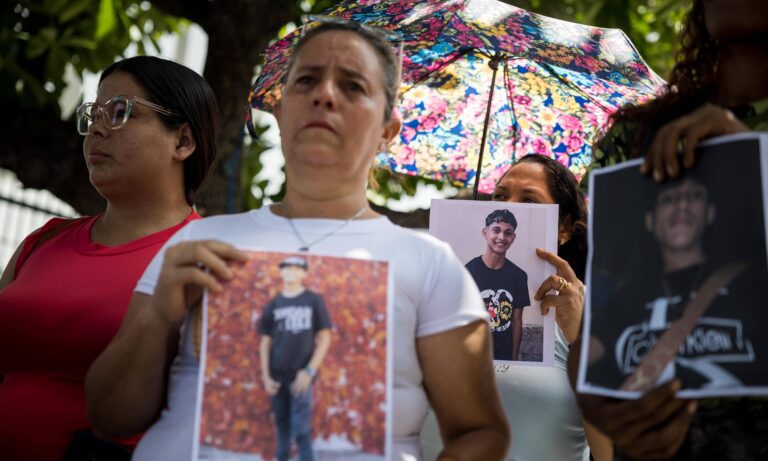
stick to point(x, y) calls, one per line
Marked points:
point(125, 387)
point(600, 446)
point(458, 375)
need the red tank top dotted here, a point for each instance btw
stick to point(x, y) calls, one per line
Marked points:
point(65, 305)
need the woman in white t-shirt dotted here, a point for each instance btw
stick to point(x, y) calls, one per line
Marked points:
point(335, 113)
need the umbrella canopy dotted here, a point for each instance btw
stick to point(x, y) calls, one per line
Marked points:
point(485, 83)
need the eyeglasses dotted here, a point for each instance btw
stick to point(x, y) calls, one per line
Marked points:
point(114, 112)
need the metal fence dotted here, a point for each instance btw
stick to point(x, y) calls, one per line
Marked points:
point(22, 211)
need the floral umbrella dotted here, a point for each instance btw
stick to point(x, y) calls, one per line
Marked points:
point(485, 83)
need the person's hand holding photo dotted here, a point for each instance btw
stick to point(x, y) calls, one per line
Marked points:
point(569, 299)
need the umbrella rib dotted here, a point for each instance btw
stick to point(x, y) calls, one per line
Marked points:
point(572, 85)
point(453, 59)
point(512, 114)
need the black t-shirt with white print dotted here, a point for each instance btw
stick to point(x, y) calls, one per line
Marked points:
point(503, 290)
point(729, 344)
point(721, 350)
point(292, 324)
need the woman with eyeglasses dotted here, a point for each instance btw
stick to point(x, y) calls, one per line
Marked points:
point(334, 114)
point(149, 140)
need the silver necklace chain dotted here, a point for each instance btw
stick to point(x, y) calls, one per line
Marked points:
point(304, 245)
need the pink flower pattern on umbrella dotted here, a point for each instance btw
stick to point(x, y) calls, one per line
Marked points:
point(557, 85)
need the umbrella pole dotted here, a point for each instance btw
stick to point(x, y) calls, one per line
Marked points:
point(494, 64)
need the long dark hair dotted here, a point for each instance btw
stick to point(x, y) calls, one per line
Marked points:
point(692, 81)
point(564, 189)
point(186, 93)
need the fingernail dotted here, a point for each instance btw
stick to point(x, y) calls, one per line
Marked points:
point(658, 175)
point(692, 406)
point(643, 168)
point(676, 385)
point(671, 170)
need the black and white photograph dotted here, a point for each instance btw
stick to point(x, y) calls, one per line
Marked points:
point(497, 243)
point(677, 274)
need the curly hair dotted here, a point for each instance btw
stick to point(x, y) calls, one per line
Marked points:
point(692, 81)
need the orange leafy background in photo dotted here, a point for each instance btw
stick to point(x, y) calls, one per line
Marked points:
point(350, 391)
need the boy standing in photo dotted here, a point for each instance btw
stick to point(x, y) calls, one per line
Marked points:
point(295, 336)
point(503, 285)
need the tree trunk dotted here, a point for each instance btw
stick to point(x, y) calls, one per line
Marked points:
point(46, 153)
point(238, 31)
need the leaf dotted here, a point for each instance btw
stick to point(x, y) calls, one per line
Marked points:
point(48, 34)
point(665, 7)
point(74, 9)
point(106, 20)
point(594, 11)
point(57, 61)
point(80, 43)
point(36, 47)
point(54, 6)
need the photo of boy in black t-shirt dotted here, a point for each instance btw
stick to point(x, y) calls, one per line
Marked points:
point(503, 285)
point(295, 337)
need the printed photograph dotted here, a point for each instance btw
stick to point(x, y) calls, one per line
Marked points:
point(295, 361)
point(677, 275)
point(497, 243)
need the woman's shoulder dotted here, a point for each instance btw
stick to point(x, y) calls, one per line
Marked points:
point(53, 228)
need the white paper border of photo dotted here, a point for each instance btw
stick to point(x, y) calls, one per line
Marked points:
point(459, 223)
point(388, 436)
point(585, 387)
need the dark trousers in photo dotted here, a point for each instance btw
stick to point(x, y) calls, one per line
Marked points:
point(293, 420)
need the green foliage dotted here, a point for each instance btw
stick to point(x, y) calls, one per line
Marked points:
point(253, 188)
point(392, 186)
point(39, 39)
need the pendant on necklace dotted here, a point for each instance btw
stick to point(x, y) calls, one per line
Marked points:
point(306, 249)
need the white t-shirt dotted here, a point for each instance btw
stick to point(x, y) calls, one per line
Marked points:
point(542, 411)
point(433, 294)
